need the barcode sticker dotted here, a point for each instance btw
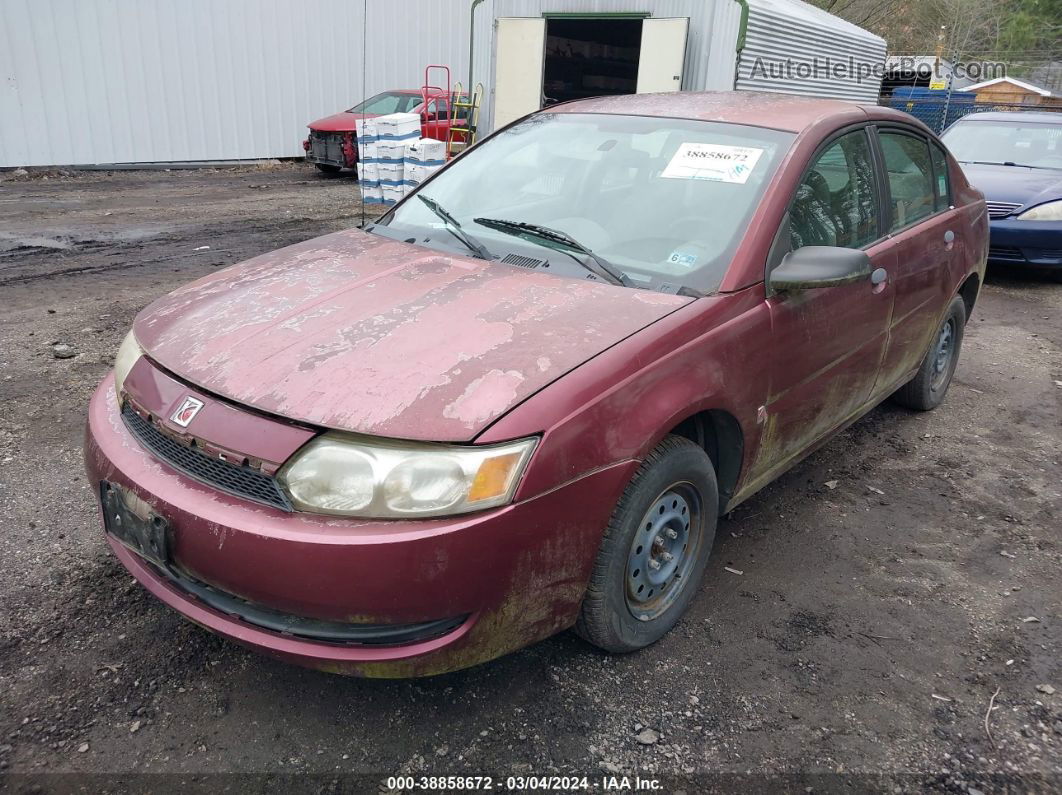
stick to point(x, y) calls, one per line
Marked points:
point(715, 162)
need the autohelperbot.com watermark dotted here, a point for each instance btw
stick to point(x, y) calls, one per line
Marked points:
point(826, 67)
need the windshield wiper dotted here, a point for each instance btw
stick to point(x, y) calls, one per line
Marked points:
point(1004, 163)
point(560, 241)
point(454, 228)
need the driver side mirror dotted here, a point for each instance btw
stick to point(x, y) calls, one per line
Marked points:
point(810, 267)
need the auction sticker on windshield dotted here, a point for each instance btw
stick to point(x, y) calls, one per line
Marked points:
point(716, 162)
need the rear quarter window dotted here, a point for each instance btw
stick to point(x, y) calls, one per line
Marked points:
point(940, 175)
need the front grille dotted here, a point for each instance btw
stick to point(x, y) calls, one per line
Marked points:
point(326, 138)
point(240, 481)
point(327, 147)
point(1001, 209)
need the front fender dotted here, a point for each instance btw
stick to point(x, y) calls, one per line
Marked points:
point(619, 405)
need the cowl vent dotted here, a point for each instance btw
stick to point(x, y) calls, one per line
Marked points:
point(524, 262)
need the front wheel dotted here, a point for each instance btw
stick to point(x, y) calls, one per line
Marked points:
point(654, 551)
point(926, 390)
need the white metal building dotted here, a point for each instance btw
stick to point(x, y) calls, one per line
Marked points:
point(149, 81)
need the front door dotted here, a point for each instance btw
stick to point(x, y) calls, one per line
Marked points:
point(827, 343)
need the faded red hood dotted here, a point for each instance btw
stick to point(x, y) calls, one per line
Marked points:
point(339, 122)
point(361, 333)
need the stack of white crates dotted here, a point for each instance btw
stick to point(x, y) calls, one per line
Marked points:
point(382, 143)
point(368, 173)
point(423, 158)
point(393, 158)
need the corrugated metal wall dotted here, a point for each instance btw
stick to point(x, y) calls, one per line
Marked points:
point(124, 81)
point(115, 81)
point(784, 35)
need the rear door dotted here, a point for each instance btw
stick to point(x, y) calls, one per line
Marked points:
point(924, 230)
point(663, 55)
point(827, 343)
point(519, 57)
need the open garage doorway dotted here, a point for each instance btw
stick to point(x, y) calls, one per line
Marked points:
point(541, 61)
point(590, 57)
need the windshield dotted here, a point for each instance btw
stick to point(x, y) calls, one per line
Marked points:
point(387, 102)
point(1006, 142)
point(663, 201)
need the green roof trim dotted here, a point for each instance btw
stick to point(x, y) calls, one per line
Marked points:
point(744, 24)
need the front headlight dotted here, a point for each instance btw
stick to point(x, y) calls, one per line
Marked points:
point(1052, 211)
point(128, 354)
point(350, 476)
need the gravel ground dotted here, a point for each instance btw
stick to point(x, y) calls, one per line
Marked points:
point(891, 583)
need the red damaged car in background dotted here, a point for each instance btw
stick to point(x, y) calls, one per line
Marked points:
point(520, 401)
point(332, 142)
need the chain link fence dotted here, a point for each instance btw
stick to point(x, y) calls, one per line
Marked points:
point(938, 108)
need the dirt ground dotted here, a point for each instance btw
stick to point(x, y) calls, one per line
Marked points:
point(891, 583)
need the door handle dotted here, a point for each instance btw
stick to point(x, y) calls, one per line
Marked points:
point(949, 236)
point(879, 276)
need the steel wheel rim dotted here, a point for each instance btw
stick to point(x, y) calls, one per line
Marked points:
point(943, 352)
point(664, 551)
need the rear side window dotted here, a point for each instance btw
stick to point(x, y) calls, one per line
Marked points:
point(940, 173)
point(911, 181)
point(836, 203)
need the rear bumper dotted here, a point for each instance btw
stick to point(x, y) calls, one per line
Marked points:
point(509, 577)
point(1037, 243)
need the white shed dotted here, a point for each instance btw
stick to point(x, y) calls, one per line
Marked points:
point(150, 81)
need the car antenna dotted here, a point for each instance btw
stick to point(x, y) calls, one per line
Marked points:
point(364, 66)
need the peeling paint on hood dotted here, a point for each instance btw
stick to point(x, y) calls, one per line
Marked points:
point(360, 333)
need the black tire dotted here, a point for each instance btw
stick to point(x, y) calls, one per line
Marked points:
point(328, 169)
point(927, 389)
point(609, 617)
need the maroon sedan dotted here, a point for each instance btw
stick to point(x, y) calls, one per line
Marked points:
point(521, 400)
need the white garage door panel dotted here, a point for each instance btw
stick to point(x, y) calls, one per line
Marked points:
point(663, 54)
point(519, 57)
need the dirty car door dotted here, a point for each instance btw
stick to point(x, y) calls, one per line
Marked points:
point(828, 342)
point(924, 231)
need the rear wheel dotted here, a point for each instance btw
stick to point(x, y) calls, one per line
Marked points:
point(654, 551)
point(927, 389)
point(326, 168)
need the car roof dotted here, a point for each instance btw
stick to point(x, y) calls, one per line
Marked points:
point(1036, 117)
point(756, 108)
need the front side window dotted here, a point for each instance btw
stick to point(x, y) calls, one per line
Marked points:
point(664, 201)
point(836, 203)
point(910, 174)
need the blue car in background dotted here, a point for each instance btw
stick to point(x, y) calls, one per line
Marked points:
point(1015, 159)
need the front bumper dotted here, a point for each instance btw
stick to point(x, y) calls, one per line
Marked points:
point(331, 149)
point(517, 573)
point(1037, 243)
